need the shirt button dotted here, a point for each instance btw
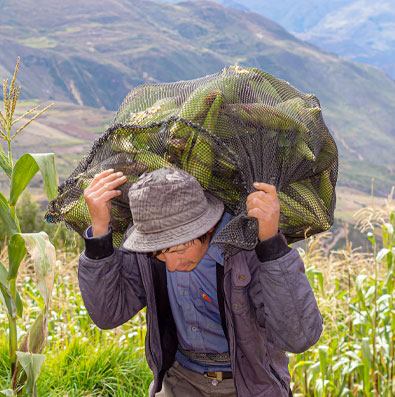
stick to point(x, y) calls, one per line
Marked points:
point(235, 306)
point(194, 328)
point(241, 277)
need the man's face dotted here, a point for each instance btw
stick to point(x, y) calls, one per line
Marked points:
point(185, 257)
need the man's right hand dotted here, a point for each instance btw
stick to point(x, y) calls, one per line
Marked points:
point(98, 197)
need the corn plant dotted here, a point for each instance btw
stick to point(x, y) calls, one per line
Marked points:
point(25, 359)
point(355, 292)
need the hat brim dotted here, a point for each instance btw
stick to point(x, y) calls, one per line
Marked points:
point(150, 242)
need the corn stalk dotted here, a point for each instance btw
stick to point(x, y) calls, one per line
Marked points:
point(25, 361)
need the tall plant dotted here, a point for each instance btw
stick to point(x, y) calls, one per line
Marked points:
point(25, 360)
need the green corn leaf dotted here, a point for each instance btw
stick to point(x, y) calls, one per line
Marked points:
point(340, 363)
point(367, 360)
point(382, 253)
point(4, 164)
point(46, 163)
point(23, 172)
point(34, 339)
point(359, 287)
point(315, 368)
point(302, 363)
point(25, 169)
point(371, 238)
point(7, 393)
point(19, 305)
point(16, 252)
point(6, 298)
point(38, 332)
point(6, 218)
point(351, 368)
point(44, 257)
point(389, 228)
point(352, 354)
point(31, 364)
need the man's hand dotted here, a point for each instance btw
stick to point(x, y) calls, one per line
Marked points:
point(264, 206)
point(98, 197)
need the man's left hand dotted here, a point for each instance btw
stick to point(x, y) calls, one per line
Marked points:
point(264, 206)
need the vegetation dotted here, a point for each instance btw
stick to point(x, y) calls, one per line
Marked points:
point(25, 360)
point(355, 292)
point(82, 360)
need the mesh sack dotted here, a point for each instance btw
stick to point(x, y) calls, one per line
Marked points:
point(229, 130)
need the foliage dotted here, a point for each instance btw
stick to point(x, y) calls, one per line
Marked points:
point(81, 359)
point(31, 219)
point(355, 292)
point(25, 360)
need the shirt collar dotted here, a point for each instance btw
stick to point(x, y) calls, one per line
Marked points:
point(213, 251)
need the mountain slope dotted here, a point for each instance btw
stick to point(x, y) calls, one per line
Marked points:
point(359, 30)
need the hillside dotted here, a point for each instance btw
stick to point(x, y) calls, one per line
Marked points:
point(359, 30)
point(93, 54)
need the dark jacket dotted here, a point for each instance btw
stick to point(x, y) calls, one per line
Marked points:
point(266, 304)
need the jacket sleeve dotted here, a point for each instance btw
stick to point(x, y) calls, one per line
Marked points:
point(289, 311)
point(110, 282)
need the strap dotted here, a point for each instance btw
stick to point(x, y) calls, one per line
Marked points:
point(220, 297)
point(206, 358)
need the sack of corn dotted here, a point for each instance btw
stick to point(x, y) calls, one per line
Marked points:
point(229, 130)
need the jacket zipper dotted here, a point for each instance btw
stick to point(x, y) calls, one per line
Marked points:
point(233, 334)
point(275, 373)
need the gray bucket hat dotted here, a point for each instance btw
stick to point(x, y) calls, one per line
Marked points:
point(169, 207)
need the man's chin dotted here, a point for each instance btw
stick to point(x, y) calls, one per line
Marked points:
point(187, 268)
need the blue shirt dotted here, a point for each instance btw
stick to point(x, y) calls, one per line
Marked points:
point(194, 304)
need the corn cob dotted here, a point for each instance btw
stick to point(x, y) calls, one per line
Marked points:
point(325, 188)
point(150, 161)
point(299, 214)
point(306, 190)
point(151, 115)
point(198, 157)
point(291, 210)
point(327, 156)
point(298, 108)
point(304, 151)
point(264, 90)
point(261, 115)
point(225, 190)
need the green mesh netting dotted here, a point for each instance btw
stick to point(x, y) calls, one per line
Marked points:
point(229, 130)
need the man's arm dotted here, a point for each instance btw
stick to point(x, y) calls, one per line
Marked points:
point(284, 301)
point(109, 278)
point(110, 282)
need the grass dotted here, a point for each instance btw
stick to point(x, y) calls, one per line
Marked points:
point(81, 359)
point(88, 368)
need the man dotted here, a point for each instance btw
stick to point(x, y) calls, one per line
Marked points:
point(216, 327)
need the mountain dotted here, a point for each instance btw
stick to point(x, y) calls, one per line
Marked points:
point(359, 30)
point(92, 53)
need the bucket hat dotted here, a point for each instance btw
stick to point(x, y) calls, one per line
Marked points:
point(169, 207)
